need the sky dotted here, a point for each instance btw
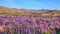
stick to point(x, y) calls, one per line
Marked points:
point(31, 4)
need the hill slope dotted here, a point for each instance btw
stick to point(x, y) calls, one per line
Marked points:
point(4, 11)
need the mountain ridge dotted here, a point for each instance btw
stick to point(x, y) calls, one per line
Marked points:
point(17, 12)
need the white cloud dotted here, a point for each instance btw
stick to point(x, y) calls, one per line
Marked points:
point(52, 4)
point(41, 4)
point(38, 4)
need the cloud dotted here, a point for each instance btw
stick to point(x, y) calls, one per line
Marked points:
point(38, 4)
point(52, 4)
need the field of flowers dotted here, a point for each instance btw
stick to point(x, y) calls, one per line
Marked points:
point(24, 25)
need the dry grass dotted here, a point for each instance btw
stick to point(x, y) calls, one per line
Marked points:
point(4, 11)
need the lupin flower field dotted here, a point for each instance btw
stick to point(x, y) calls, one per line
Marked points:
point(21, 21)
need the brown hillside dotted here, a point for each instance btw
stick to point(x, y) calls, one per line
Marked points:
point(4, 11)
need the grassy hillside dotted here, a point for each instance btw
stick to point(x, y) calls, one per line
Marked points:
point(12, 12)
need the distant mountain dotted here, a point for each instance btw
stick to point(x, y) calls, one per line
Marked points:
point(14, 11)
